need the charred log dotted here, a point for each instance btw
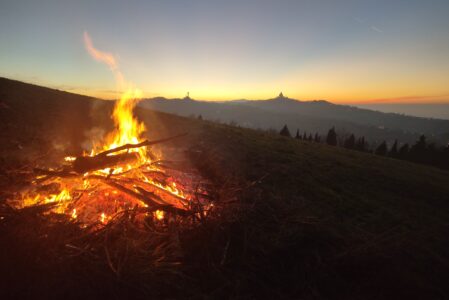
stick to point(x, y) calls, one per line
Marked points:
point(85, 164)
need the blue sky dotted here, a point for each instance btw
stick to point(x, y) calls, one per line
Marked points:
point(343, 51)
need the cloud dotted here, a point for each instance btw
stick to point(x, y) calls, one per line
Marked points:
point(374, 28)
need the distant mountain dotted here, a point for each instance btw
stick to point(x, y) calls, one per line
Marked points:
point(310, 116)
point(431, 110)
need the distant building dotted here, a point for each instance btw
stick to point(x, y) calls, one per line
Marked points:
point(187, 97)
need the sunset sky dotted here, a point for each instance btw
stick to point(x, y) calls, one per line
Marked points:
point(346, 51)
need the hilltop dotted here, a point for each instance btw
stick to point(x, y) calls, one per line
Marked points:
point(305, 220)
point(310, 116)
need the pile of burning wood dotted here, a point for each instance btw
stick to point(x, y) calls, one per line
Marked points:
point(95, 188)
point(119, 174)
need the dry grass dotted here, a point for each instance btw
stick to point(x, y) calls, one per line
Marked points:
point(293, 220)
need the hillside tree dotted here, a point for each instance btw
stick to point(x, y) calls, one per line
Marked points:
point(382, 149)
point(284, 131)
point(331, 138)
point(403, 151)
point(350, 142)
point(394, 150)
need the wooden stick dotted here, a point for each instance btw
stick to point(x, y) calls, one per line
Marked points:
point(85, 164)
point(62, 173)
point(184, 201)
point(145, 199)
point(150, 194)
point(142, 144)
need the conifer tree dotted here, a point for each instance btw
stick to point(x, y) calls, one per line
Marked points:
point(284, 131)
point(403, 151)
point(331, 138)
point(360, 145)
point(394, 149)
point(382, 149)
point(298, 137)
point(418, 151)
point(350, 142)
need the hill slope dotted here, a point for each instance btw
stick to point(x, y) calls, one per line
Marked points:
point(308, 221)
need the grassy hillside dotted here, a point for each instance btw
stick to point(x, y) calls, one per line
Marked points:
point(299, 220)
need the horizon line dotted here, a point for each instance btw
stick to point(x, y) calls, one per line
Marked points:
point(405, 100)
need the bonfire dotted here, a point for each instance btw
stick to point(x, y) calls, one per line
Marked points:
point(119, 174)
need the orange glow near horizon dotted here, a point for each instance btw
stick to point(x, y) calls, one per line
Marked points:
point(347, 53)
point(262, 94)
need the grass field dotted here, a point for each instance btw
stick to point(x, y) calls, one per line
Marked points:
point(298, 220)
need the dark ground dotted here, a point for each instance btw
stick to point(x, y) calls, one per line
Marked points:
point(297, 220)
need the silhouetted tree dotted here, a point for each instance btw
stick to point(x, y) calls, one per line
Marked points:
point(310, 138)
point(433, 156)
point(360, 145)
point(394, 150)
point(317, 137)
point(298, 137)
point(418, 151)
point(285, 131)
point(382, 149)
point(331, 138)
point(304, 136)
point(350, 142)
point(403, 151)
point(444, 163)
point(200, 117)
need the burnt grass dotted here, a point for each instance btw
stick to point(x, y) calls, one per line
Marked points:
point(294, 219)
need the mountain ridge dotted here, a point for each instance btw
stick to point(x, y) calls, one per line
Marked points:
point(311, 116)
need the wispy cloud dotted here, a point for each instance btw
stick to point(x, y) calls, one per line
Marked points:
point(376, 29)
point(372, 27)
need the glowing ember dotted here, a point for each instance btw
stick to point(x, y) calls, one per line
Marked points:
point(103, 218)
point(159, 214)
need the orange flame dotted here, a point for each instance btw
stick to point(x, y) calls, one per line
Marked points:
point(72, 196)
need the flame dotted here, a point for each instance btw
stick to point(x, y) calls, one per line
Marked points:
point(172, 189)
point(159, 214)
point(127, 129)
point(74, 196)
point(103, 218)
point(62, 199)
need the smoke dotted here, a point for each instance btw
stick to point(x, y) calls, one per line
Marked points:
point(106, 58)
point(127, 127)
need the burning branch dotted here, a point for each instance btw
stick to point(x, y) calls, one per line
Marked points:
point(83, 164)
point(142, 144)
